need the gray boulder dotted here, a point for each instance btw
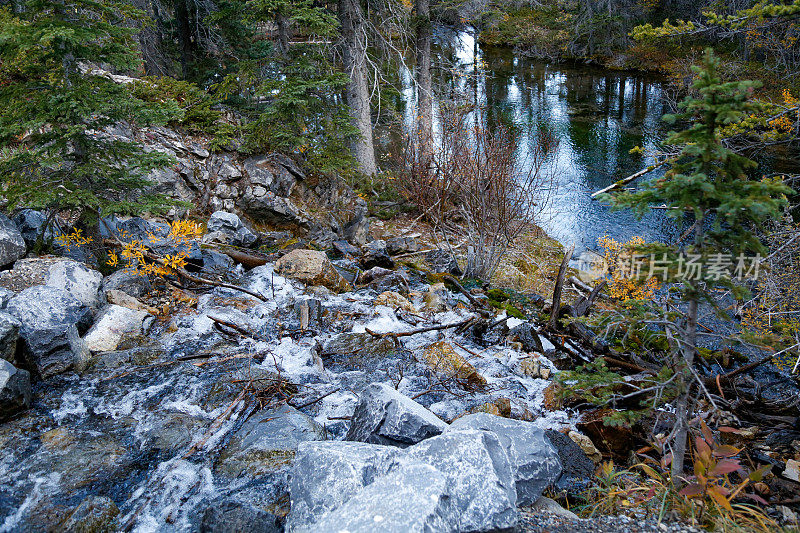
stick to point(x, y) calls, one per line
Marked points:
point(31, 223)
point(385, 416)
point(327, 474)
point(52, 320)
point(78, 280)
point(112, 324)
point(413, 498)
point(267, 442)
point(374, 254)
point(217, 264)
point(127, 281)
point(535, 461)
point(230, 225)
point(12, 245)
point(401, 245)
point(9, 335)
point(480, 477)
point(15, 390)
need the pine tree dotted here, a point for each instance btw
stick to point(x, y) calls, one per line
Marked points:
point(58, 106)
point(710, 183)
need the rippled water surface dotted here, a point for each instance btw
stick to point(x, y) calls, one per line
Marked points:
point(597, 115)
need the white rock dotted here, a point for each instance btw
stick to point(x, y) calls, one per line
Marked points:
point(113, 322)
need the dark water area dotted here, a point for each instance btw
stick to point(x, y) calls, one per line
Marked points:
point(598, 116)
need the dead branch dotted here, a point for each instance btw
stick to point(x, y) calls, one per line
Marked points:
point(562, 270)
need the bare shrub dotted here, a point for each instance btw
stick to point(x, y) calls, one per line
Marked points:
point(474, 183)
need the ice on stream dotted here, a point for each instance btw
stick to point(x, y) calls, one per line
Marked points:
point(156, 432)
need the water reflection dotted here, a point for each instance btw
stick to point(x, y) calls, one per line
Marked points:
point(598, 115)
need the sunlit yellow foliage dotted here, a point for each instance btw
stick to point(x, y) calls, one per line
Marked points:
point(621, 285)
point(76, 238)
point(139, 260)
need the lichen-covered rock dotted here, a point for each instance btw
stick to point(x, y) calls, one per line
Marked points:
point(411, 499)
point(78, 280)
point(357, 350)
point(443, 359)
point(312, 268)
point(480, 478)
point(15, 390)
point(230, 225)
point(95, 514)
point(267, 442)
point(535, 461)
point(385, 416)
point(395, 300)
point(12, 245)
point(9, 335)
point(113, 322)
point(326, 474)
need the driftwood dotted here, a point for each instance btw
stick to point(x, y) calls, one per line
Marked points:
point(582, 307)
point(248, 259)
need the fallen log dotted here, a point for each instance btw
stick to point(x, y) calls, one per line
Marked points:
point(630, 178)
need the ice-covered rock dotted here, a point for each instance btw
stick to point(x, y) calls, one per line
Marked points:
point(411, 499)
point(15, 390)
point(228, 515)
point(357, 350)
point(78, 280)
point(385, 416)
point(267, 442)
point(113, 322)
point(535, 461)
point(312, 268)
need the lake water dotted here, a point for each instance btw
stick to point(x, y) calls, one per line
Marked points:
point(597, 114)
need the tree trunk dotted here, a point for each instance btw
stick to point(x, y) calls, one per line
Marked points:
point(354, 55)
point(424, 94)
point(184, 36)
point(283, 34)
point(687, 353)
